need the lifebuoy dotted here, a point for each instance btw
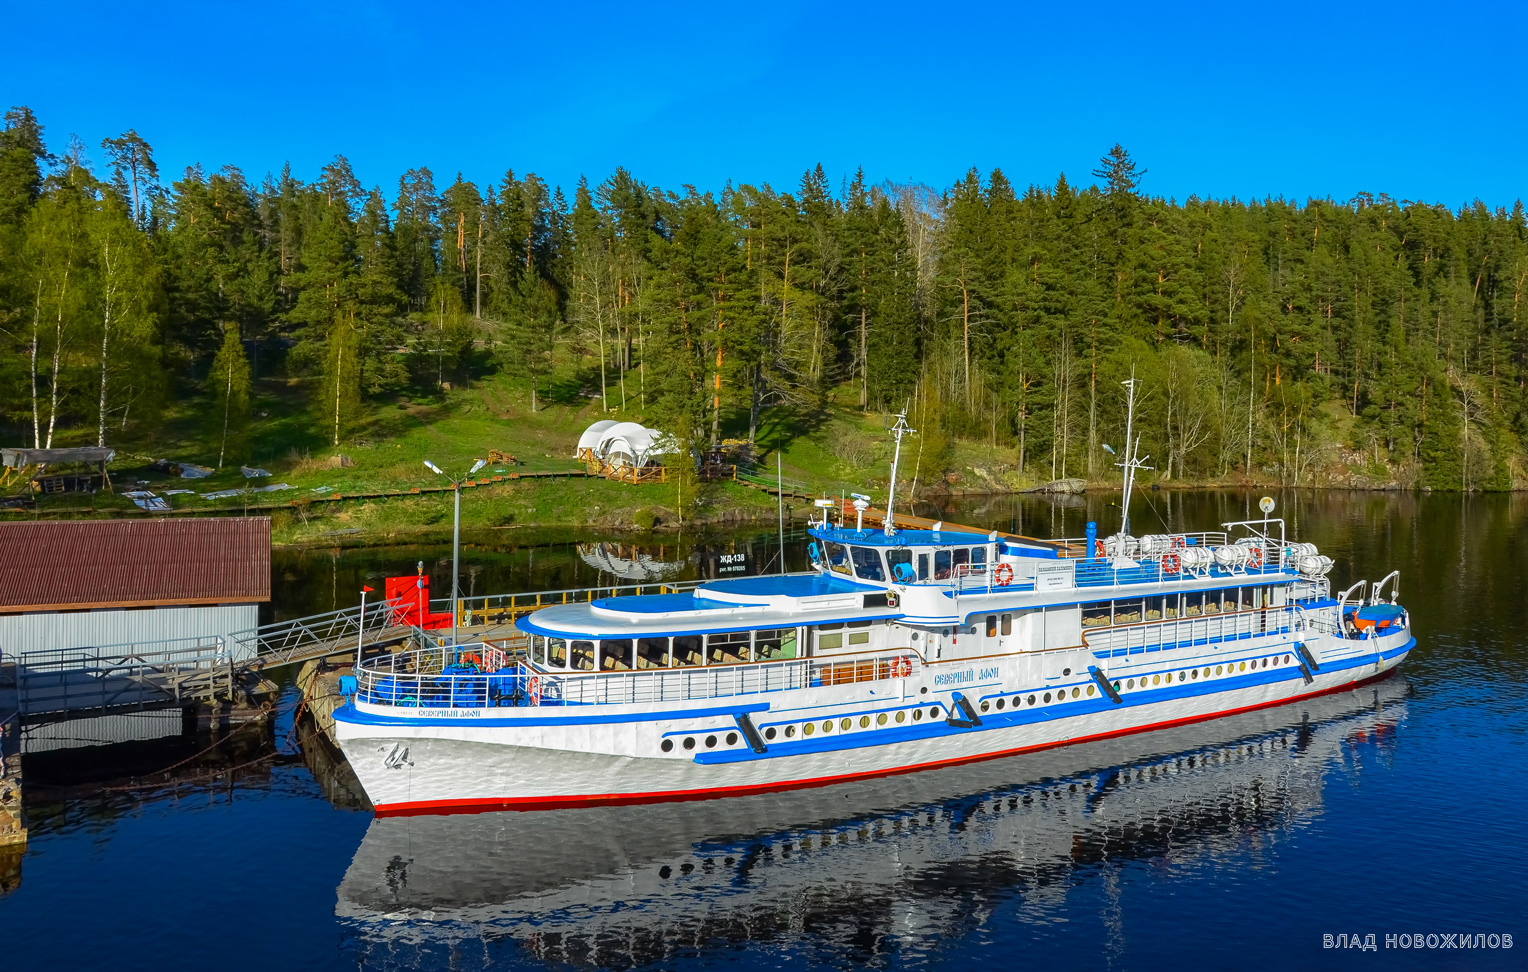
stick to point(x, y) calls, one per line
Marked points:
point(1255, 558)
point(901, 668)
point(1098, 549)
point(533, 688)
point(1004, 575)
point(1170, 563)
point(1178, 542)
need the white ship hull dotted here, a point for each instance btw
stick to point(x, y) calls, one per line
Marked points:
point(472, 760)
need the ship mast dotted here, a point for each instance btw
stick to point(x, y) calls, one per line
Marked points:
point(898, 430)
point(1131, 460)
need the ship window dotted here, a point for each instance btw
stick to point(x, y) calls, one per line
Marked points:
point(828, 640)
point(1095, 615)
point(652, 653)
point(923, 566)
point(557, 653)
point(1128, 612)
point(978, 558)
point(1156, 609)
point(900, 556)
point(615, 655)
point(728, 649)
point(687, 651)
point(992, 626)
point(860, 624)
point(538, 649)
point(962, 561)
point(941, 565)
point(837, 557)
point(867, 563)
point(774, 645)
point(859, 638)
point(1007, 624)
point(583, 656)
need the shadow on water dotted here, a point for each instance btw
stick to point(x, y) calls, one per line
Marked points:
point(901, 866)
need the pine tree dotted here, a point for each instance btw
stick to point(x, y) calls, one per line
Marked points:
point(229, 381)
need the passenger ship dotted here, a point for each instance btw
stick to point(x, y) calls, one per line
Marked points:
point(901, 650)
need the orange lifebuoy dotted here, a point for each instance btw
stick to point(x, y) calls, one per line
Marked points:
point(1171, 563)
point(1255, 558)
point(533, 688)
point(901, 668)
point(1179, 542)
point(1004, 575)
point(1098, 549)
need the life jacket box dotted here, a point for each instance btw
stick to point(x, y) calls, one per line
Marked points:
point(410, 596)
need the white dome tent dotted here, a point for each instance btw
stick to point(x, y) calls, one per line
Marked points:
point(626, 451)
point(588, 443)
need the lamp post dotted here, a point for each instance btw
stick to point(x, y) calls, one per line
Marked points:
point(456, 532)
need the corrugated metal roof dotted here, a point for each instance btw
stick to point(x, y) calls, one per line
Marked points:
point(56, 565)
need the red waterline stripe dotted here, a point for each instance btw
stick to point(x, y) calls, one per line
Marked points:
point(422, 807)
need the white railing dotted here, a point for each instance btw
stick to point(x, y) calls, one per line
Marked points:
point(475, 676)
point(1205, 629)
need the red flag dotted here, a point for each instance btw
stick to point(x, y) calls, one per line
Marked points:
point(367, 589)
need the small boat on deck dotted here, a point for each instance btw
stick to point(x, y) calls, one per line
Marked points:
point(901, 650)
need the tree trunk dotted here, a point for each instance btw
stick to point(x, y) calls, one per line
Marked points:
point(36, 325)
point(58, 348)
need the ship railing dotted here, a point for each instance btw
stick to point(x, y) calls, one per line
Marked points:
point(1160, 635)
point(476, 676)
point(1318, 622)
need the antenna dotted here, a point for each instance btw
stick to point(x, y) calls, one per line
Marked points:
point(900, 429)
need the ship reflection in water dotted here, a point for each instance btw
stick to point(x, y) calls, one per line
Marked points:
point(621, 886)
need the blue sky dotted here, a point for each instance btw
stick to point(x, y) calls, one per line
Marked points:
point(1292, 99)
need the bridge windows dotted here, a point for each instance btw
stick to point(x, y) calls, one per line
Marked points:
point(898, 558)
point(867, 563)
point(836, 556)
point(582, 653)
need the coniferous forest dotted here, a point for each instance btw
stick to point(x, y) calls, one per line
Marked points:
point(1275, 339)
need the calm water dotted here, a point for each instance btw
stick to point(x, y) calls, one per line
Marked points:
point(1398, 808)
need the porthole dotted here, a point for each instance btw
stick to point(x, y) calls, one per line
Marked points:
point(1000, 704)
point(864, 722)
point(901, 716)
point(667, 746)
point(769, 733)
point(1286, 659)
point(1031, 700)
point(986, 706)
point(1182, 676)
point(790, 732)
point(1090, 691)
point(1156, 679)
point(917, 715)
point(808, 729)
point(933, 713)
point(1130, 684)
point(689, 742)
point(880, 720)
point(1217, 669)
point(1265, 663)
point(1047, 696)
point(1206, 671)
point(732, 739)
point(827, 725)
point(844, 725)
point(1076, 693)
point(1243, 667)
point(710, 742)
point(1194, 673)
